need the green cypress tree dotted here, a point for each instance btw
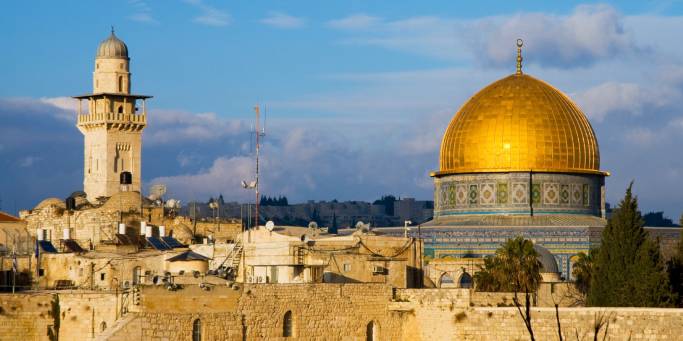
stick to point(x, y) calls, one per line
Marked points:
point(629, 270)
point(675, 267)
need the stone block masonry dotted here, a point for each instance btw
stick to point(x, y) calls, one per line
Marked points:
point(318, 312)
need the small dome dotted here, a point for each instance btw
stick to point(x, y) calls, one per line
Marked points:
point(112, 47)
point(548, 263)
point(50, 202)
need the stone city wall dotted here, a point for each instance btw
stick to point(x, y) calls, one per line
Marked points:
point(81, 315)
point(319, 311)
point(431, 319)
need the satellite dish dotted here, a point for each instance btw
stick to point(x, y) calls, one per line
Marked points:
point(363, 227)
point(305, 238)
point(252, 184)
point(313, 225)
point(270, 225)
point(173, 203)
point(244, 184)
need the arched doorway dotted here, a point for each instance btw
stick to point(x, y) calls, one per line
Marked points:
point(446, 281)
point(465, 280)
point(197, 330)
point(372, 331)
point(287, 325)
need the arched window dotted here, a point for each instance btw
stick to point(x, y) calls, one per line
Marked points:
point(371, 331)
point(197, 330)
point(103, 326)
point(446, 281)
point(465, 280)
point(120, 83)
point(287, 325)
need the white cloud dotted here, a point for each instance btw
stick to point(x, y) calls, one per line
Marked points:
point(354, 22)
point(142, 12)
point(282, 20)
point(588, 34)
point(225, 173)
point(173, 126)
point(143, 18)
point(209, 15)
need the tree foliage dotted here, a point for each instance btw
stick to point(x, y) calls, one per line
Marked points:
point(515, 267)
point(629, 269)
point(675, 267)
point(583, 270)
point(268, 201)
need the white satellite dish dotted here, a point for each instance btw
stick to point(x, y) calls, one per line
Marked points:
point(172, 203)
point(244, 184)
point(270, 225)
point(360, 225)
point(313, 225)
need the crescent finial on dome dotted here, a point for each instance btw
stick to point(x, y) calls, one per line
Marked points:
point(520, 42)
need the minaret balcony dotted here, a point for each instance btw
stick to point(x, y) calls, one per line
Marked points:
point(112, 117)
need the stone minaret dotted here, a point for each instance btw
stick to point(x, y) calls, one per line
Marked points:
point(112, 127)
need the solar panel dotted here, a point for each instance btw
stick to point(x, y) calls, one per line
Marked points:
point(172, 242)
point(47, 246)
point(124, 239)
point(157, 243)
point(140, 241)
point(73, 246)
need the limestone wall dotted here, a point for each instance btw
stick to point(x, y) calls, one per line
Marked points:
point(319, 312)
point(81, 315)
point(322, 311)
point(431, 319)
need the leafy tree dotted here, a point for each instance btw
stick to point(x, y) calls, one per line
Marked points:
point(628, 270)
point(515, 267)
point(583, 270)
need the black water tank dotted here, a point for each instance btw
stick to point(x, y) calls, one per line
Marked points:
point(70, 203)
point(126, 178)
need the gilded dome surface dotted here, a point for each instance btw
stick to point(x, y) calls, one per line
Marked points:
point(519, 123)
point(112, 47)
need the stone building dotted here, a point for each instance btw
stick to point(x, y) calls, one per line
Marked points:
point(306, 255)
point(13, 235)
point(113, 124)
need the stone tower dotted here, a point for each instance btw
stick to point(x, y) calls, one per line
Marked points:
point(112, 127)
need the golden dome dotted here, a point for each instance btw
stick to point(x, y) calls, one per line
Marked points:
point(519, 123)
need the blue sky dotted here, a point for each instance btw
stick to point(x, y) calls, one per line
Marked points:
point(358, 92)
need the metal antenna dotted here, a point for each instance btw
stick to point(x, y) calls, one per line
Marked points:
point(255, 184)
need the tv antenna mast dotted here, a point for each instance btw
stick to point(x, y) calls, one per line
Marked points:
point(260, 132)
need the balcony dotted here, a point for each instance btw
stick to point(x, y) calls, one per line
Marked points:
point(113, 118)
